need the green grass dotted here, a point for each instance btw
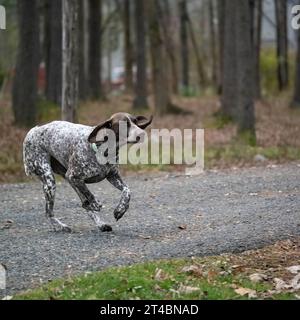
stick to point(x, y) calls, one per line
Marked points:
point(139, 282)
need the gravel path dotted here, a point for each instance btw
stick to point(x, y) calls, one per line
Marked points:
point(170, 216)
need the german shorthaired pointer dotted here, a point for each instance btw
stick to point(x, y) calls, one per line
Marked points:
point(71, 150)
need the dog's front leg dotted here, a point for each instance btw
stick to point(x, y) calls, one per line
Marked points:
point(92, 205)
point(115, 179)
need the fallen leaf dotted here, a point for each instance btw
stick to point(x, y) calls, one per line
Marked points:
point(187, 289)
point(160, 275)
point(192, 269)
point(258, 277)
point(295, 283)
point(144, 237)
point(280, 284)
point(246, 291)
point(182, 227)
point(293, 269)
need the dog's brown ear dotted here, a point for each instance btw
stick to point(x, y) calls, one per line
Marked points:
point(143, 122)
point(96, 135)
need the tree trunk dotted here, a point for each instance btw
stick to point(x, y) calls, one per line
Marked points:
point(167, 26)
point(128, 47)
point(70, 60)
point(296, 98)
point(200, 67)
point(282, 43)
point(26, 72)
point(221, 36)
point(213, 50)
point(81, 51)
point(184, 44)
point(54, 70)
point(229, 58)
point(256, 18)
point(245, 72)
point(238, 73)
point(95, 52)
point(159, 68)
point(140, 101)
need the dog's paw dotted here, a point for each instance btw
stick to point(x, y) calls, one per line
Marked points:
point(105, 228)
point(92, 206)
point(119, 212)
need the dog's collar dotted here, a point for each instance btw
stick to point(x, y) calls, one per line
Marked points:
point(94, 147)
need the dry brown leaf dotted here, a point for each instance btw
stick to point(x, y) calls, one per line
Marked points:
point(187, 289)
point(246, 291)
point(193, 269)
point(258, 277)
point(160, 275)
point(293, 269)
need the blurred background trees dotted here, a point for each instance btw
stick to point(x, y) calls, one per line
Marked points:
point(240, 50)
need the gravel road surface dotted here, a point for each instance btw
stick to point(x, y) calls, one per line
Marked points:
point(169, 216)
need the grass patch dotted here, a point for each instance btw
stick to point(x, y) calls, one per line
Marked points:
point(217, 277)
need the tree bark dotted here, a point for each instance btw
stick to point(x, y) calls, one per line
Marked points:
point(24, 95)
point(81, 51)
point(140, 101)
point(256, 32)
point(213, 49)
point(95, 52)
point(54, 69)
point(200, 68)
point(184, 44)
point(159, 68)
point(245, 72)
point(167, 26)
point(128, 46)
point(70, 60)
point(238, 74)
point(282, 43)
point(296, 98)
point(221, 35)
point(229, 58)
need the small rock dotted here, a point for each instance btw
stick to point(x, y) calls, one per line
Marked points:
point(260, 158)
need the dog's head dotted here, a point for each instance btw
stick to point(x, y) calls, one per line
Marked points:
point(134, 129)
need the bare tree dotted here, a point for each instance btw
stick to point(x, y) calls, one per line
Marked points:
point(167, 24)
point(54, 65)
point(184, 43)
point(296, 98)
point(213, 46)
point(282, 43)
point(95, 52)
point(25, 82)
point(256, 32)
point(128, 46)
point(140, 101)
point(70, 60)
point(238, 74)
point(229, 58)
point(245, 74)
point(162, 99)
point(221, 36)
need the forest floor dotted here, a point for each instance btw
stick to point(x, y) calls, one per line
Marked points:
point(277, 129)
point(170, 216)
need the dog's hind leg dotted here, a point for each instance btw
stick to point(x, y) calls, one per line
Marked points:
point(49, 187)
